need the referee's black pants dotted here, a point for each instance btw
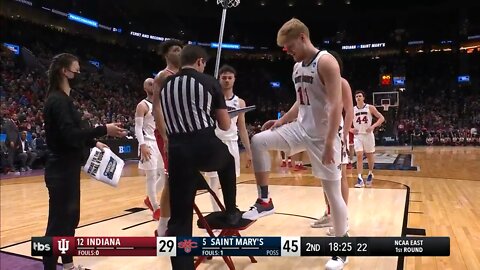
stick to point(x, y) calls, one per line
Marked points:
point(187, 156)
point(62, 178)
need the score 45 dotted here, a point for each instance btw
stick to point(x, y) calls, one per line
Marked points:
point(290, 246)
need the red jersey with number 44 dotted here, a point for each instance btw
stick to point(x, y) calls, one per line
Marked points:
point(362, 118)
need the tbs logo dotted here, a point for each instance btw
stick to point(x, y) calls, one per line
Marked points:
point(124, 149)
point(42, 246)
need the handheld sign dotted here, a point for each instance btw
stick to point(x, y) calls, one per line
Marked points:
point(104, 166)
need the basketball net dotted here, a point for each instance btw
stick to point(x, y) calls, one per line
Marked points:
point(226, 4)
point(385, 107)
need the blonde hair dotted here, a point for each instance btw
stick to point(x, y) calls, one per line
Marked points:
point(291, 30)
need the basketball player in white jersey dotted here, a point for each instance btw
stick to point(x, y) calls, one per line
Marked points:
point(347, 101)
point(237, 128)
point(151, 161)
point(170, 50)
point(318, 110)
point(364, 140)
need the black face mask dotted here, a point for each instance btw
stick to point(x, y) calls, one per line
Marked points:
point(76, 80)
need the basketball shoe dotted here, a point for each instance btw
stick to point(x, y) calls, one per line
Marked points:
point(369, 180)
point(336, 263)
point(322, 222)
point(259, 209)
point(156, 214)
point(79, 267)
point(360, 183)
point(148, 203)
point(331, 231)
point(299, 167)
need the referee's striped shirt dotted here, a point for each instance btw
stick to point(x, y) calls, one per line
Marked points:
point(189, 100)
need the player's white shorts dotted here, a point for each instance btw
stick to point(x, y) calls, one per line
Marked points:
point(156, 160)
point(364, 143)
point(233, 149)
point(292, 138)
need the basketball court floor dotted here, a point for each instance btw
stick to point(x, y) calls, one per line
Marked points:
point(425, 191)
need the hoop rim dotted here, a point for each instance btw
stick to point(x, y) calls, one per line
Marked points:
point(228, 3)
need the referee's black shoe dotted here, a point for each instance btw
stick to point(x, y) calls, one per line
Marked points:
point(233, 218)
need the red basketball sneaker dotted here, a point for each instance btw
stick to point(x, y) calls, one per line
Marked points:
point(156, 214)
point(148, 203)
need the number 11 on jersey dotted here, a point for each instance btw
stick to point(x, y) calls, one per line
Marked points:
point(290, 246)
point(303, 96)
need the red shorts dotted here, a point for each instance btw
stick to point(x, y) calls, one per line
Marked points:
point(350, 138)
point(161, 147)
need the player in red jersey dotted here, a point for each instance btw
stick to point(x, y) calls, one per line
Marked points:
point(170, 49)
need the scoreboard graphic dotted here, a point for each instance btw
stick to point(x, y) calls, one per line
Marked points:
point(241, 246)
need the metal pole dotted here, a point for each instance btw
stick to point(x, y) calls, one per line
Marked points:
point(411, 140)
point(220, 39)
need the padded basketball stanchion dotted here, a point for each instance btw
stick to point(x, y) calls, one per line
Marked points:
point(208, 223)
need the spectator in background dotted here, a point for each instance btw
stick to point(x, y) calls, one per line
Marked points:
point(39, 145)
point(12, 140)
point(25, 153)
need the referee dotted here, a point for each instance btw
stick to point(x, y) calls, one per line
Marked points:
point(192, 102)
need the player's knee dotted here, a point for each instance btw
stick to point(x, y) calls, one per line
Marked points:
point(259, 142)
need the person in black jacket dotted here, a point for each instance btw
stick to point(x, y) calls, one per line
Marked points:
point(65, 142)
point(25, 153)
point(39, 145)
point(11, 129)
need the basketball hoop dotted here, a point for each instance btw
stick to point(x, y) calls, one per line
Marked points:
point(228, 3)
point(386, 100)
point(385, 104)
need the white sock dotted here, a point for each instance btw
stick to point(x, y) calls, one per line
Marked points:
point(338, 208)
point(214, 183)
point(370, 173)
point(160, 184)
point(360, 176)
point(162, 226)
point(151, 188)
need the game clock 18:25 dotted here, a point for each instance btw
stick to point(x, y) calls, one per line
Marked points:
point(340, 246)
